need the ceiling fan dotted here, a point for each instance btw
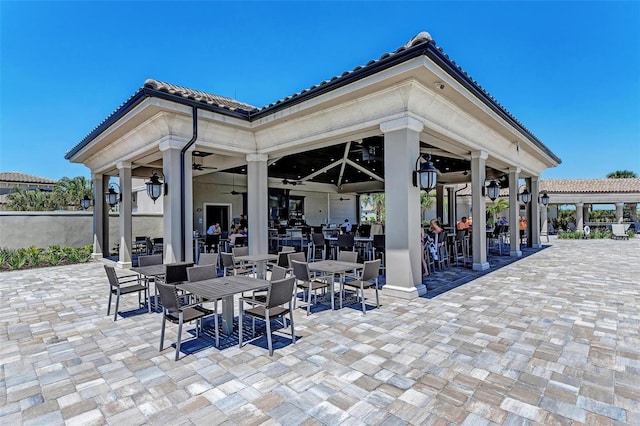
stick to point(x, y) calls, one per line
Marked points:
point(199, 166)
point(344, 199)
point(233, 191)
point(368, 153)
point(292, 182)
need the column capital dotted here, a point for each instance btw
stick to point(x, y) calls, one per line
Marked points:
point(123, 165)
point(480, 154)
point(401, 124)
point(257, 157)
point(581, 204)
point(620, 204)
point(534, 178)
point(514, 170)
point(171, 144)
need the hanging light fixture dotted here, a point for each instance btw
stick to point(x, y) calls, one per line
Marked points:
point(525, 196)
point(544, 199)
point(155, 185)
point(492, 190)
point(112, 197)
point(425, 175)
point(85, 203)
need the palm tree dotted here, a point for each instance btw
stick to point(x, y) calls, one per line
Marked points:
point(377, 202)
point(72, 190)
point(499, 205)
point(621, 174)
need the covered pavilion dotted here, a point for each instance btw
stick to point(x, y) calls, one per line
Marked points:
point(362, 131)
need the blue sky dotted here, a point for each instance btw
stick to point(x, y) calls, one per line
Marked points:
point(569, 71)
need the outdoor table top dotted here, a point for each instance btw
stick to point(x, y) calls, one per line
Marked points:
point(155, 270)
point(354, 238)
point(334, 266)
point(219, 288)
point(257, 257)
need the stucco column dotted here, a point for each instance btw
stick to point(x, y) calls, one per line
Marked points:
point(189, 243)
point(126, 238)
point(451, 203)
point(619, 207)
point(579, 218)
point(171, 203)
point(544, 220)
point(533, 214)
point(479, 209)
point(258, 202)
point(514, 212)
point(100, 217)
point(402, 204)
point(633, 209)
point(439, 203)
point(585, 213)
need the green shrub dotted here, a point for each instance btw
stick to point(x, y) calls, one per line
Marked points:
point(34, 256)
point(568, 235)
point(17, 259)
point(5, 253)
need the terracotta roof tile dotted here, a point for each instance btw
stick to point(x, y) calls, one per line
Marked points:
point(589, 185)
point(198, 95)
point(577, 186)
point(25, 178)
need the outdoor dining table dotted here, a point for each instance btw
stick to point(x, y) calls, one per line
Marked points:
point(154, 271)
point(259, 260)
point(224, 288)
point(334, 267)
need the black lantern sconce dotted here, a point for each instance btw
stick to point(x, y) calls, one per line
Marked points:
point(85, 203)
point(425, 175)
point(492, 190)
point(525, 196)
point(112, 197)
point(544, 199)
point(155, 186)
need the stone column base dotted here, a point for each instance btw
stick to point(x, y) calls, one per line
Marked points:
point(404, 292)
point(481, 266)
point(96, 256)
point(123, 265)
point(515, 253)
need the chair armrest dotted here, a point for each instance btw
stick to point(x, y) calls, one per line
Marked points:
point(126, 279)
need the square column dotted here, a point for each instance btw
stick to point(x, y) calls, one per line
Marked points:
point(188, 243)
point(451, 206)
point(619, 212)
point(479, 213)
point(439, 202)
point(579, 218)
point(544, 223)
point(100, 217)
point(126, 238)
point(258, 203)
point(514, 213)
point(533, 214)
point(402, 203)
point(172, 203)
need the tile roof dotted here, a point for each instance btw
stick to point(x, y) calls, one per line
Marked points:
point(197, 95)
point(25, 178)
point(589, 185)
point(577, 186)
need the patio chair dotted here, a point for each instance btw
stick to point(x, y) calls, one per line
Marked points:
point(200, 273)
point(208, 259)
point(297, 256)
point(230, 267)
point(211, 243)
point(345, 242)
point(176, 273)
point(277, 273)
point(368, 279)
point(350, 257)
point(280, 293)
point(617, 232)
point(152, 259)
point(174, 311)
point(117, 288)
point(379, 248)
point(317, 243)
point(306, 282)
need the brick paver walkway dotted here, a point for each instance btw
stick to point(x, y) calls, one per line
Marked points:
point(550, 339)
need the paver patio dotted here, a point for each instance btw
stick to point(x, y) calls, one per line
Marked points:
point(550, 339)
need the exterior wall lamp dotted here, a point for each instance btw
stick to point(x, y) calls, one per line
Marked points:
point(492, 190)
point(544, 199)
point(525, 196)
point(425, 175)
point(155, 185)
point(112, 197)
point(85, 203)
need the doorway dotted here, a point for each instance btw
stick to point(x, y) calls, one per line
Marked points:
point(217, 213)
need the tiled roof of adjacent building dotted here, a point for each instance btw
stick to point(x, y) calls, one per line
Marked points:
point(577, 186)
point(25, 178)
point(421, 44)
point(589, 185)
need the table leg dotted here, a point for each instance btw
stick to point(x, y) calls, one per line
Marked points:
point(227, 315)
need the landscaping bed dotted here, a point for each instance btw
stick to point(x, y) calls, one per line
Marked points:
point(35, 257)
